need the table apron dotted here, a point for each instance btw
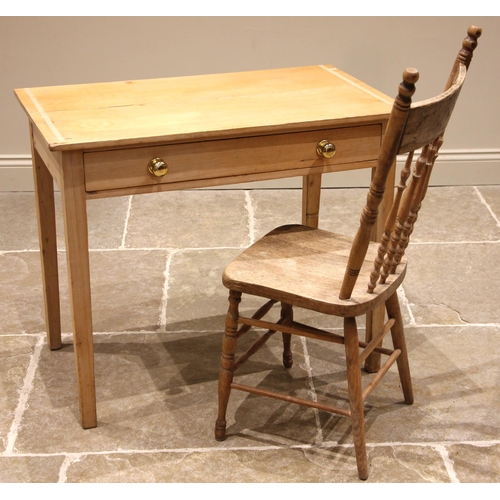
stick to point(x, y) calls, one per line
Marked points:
point(206, 163)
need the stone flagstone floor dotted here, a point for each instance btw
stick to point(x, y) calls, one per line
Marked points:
point(158, 310)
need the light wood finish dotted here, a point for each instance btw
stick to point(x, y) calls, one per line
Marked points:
point(44, 192)
point(409, 142)
point(337, 275)
point(303, 266)
point(121, 168)
point(76, 231)
point(311, 197)
point(96, 140)
point(185, 109)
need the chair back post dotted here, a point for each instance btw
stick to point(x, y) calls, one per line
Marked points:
point(389, 150)
point(464, 56)
point(400, 227)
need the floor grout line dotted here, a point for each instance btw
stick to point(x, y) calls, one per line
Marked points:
point(448, 463)
point(486, 204)
point(125, 227)
point(196, 249)
point(24, 396)
point(162, 319)
point(197, 331)
point(67, 462)
point(478, 242)
point(405, 302)
point(329, 445)
point(312, 390)
point(251, 216)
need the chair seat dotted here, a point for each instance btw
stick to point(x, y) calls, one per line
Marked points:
point(304, 267)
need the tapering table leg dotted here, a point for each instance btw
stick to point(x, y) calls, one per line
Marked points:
point(77, 255)
point(44, 194)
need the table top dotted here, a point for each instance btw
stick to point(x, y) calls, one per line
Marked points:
point(181, 109)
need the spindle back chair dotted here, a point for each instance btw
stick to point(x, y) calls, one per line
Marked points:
point(334, 274)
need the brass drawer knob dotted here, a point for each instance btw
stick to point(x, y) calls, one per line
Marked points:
point(326, 149)
point(157, 167)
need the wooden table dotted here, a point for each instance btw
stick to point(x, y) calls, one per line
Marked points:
point(131, 137)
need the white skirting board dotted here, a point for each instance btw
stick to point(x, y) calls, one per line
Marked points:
point(453, 168)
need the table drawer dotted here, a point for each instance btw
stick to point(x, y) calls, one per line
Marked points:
point(123, 168)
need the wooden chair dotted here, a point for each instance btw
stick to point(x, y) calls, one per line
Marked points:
point(337, 275)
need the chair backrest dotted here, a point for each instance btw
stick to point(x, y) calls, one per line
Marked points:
point(411, 127)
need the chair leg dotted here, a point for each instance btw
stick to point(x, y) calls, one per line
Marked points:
point(355, 395)
point(287, 317)
point(227, 363)
point(398, 339)
point(375, 320)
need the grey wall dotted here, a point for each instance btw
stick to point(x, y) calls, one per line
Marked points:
point(37, 51)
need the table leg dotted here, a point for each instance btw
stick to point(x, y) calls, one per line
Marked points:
point(375, 319)
point(77, 255)
point(311, 193)
point(44, 195)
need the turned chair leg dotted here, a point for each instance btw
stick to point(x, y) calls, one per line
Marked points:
point(355, 395)
point(398, 339)
point(287, 317)
point(227, 363)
